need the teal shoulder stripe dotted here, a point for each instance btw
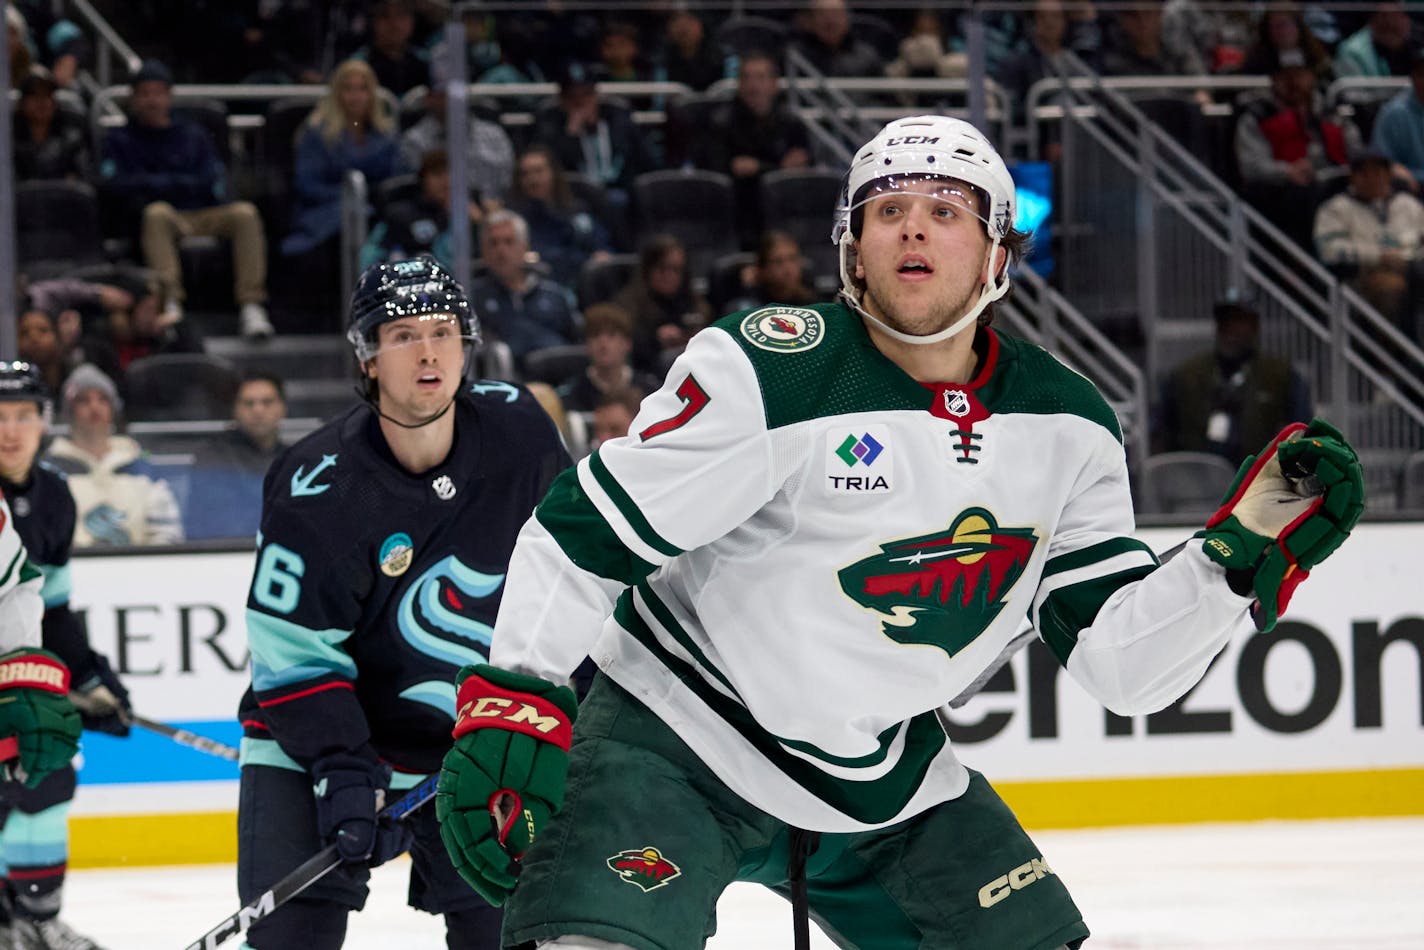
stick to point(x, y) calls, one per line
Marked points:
point(1094, 553)
point(58, 584)
point(284, 652)
point(584, 535)
point(1069, 610)
point(872, 801)
point(628, 509)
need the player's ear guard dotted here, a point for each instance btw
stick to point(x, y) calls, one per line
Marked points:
point(1288, 509)
point(504, 777)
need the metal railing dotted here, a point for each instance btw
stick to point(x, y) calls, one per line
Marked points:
point(108, 44)
point(1152, 236)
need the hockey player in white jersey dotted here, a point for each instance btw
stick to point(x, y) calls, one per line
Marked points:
point(39, 726)
point(827, 524)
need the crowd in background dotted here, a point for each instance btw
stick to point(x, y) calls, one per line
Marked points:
point(568, 265)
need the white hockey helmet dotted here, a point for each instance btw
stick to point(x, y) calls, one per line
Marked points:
point(908, 155)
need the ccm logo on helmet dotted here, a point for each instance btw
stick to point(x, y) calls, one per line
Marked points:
point(1016, 880)
point(913, 140)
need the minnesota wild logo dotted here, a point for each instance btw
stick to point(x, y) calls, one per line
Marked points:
point(942, 589)
point(644, 867)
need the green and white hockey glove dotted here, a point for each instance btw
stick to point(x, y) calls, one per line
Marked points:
point(504, 777)
point(1288, 509)
point(36, 711)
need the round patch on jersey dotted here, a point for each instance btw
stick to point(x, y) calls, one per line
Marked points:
point(397, 551)
point(783, 329)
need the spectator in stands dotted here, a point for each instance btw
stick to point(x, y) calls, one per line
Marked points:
point(40, 343)
point(753, 134)
point(1219, 37)
point(399, 66)
point(613, 415)
point(563, 230)
point(138, 330)
point(420, 224)
point(621, 60)
point(165, 171)
point(608, 335)
point(516, 305)
point(225, 491)
point(923, 55)
point(1380, 48)
point(688, 55)
point(1399, 126)
point(1231, 398)
point(665, 311)
point(1283, 37)
point(1288, 149)
point(18, 36)
point(351, 129)
point(596, 139)
point(1050, 34)
point(48, 142)
point(1371, 235)
point(489, 155)
point(1135, 46)
point(777, 277)
point(53, 41)
point(120, 499)
point(825, 38)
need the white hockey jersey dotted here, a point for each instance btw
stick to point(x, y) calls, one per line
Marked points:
point(21, 607)
point(812, 553)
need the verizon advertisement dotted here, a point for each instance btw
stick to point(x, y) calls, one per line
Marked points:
point(1339, 685)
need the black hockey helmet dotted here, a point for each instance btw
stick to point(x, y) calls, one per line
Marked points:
point(21, 381)
point(398, 289)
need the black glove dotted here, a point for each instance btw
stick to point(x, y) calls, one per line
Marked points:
point(350, 791)
point(102, 700)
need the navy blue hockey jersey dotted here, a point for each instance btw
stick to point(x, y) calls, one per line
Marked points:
point(373, 586)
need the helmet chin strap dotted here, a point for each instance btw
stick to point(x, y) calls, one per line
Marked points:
point(990, 293)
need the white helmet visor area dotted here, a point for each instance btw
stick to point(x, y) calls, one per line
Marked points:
point(443, 332)
point(963, 197)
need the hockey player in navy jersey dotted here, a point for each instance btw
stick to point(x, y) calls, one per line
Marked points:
point(384, 543)
point(34, 842)
point(828, 523)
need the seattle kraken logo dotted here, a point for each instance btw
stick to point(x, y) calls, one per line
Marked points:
point(436, 618)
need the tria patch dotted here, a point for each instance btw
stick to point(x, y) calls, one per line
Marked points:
point(783, 329)
point(644, 867)
point(859, 461)
point(942, 589)
point(397, 551)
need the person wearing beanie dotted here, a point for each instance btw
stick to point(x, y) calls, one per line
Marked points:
point(163, 173)
point(120, 498)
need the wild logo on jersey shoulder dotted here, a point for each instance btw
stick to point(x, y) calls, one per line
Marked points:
point(644, 867)
point(942, 589)
point(783, 329)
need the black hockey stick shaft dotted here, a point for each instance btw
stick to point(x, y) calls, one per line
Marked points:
point(304, 875)
point(183, 737)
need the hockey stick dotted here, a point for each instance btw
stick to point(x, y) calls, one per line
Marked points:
point(304, 875)
point(183, 737)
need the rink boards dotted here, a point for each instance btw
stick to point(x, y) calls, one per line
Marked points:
point(1322, 718)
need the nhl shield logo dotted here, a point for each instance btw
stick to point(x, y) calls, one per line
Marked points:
point(644, 867)
point(783, 329)
point(956, 403)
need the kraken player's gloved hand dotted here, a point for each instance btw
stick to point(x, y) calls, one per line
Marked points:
point(35, 709)
point(102, 700)
point(504, 777)
point(1288, 509)
point(350, 791)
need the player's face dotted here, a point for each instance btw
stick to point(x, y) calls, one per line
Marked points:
point(923, 257)
point(21, 428)
point(417, 367)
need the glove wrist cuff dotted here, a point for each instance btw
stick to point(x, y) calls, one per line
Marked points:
point(34, 669)
point(482, 704)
